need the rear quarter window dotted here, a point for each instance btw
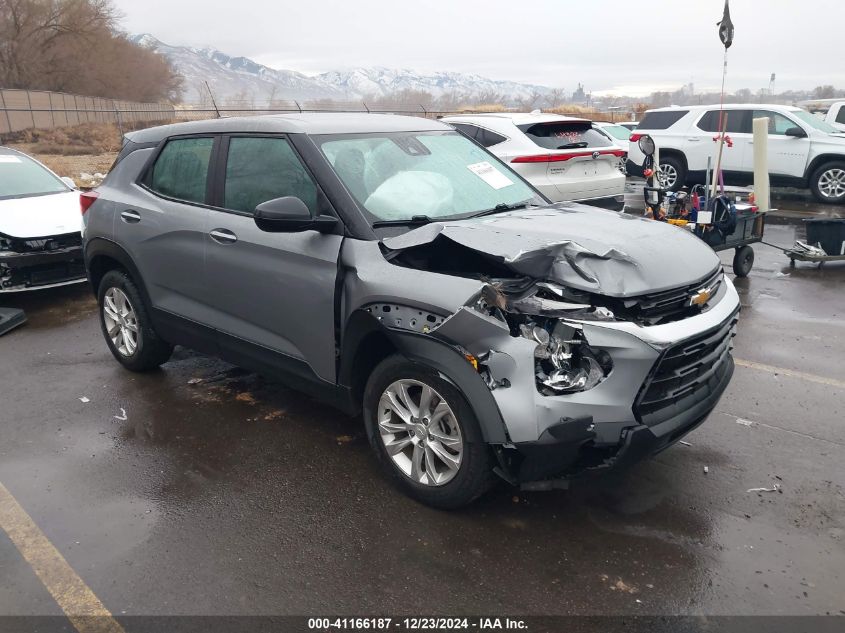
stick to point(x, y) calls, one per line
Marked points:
point(479, 134)
point(738, 121)
point(181, 169)
point(565, 135)
point(662, 120)
point(840, 117)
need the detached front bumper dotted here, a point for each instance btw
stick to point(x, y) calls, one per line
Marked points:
point(37, 269)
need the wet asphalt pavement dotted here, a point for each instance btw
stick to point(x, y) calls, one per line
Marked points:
point(234, 495)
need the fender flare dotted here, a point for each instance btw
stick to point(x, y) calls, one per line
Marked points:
point(101, 247)
point(439, 355)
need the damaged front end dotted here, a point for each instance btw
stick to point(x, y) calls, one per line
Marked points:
point(582, 390)
point(595, 351)
point(32, 263)
point(564, 362)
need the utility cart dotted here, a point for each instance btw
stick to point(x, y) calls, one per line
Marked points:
point(734, 222)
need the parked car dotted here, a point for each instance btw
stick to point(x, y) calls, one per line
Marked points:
point(40, 240)
point(618, 135)
point(564, 157)
point(397, 269)
point(835, 116)
point(804, 151)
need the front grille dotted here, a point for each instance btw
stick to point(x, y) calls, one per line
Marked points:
point(669, 305)
point(686, 374)
point(52, 243)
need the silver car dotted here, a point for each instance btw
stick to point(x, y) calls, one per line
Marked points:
point(397, 269)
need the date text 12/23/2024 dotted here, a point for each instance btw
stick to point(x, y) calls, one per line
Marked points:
point(416, 624)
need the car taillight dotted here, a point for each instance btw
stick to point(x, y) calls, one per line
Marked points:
point(635, 137)
point(556, 158)
point(86, 199)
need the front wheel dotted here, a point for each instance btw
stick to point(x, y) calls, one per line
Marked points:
point(426, 434)
point(828, 183)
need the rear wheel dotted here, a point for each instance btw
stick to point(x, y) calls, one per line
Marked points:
point(426, 434)
point(126, 325)
point(828, 183)
point(672, 174)
point(743, 261)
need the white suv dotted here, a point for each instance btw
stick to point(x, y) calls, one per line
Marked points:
point(564, 157)
point(804, 151)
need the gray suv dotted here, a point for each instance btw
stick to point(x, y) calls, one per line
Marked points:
point(397, 269)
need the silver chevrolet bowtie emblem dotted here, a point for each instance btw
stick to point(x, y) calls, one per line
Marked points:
point(596, 155)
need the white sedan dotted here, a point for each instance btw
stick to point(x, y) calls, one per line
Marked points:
point(40, 226)
point(564, 157)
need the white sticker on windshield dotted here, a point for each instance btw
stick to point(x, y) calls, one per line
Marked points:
point(490, 175)
point(6, 158)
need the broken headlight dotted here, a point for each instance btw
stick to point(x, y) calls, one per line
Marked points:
point(564, 362)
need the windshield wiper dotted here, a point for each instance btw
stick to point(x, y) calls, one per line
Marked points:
point(500, 208)
point(417, 220)
point(579, 145)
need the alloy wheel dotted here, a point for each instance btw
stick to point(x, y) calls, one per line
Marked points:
point(420, 432)
point(121, 321)
point(667, 176)
point(832, 183)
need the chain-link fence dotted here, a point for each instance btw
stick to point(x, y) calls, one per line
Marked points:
point(27, 109)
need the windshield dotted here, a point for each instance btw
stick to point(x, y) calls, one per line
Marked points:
point(814, 121)
point(438, 175)
point(21, 176)
point(618, 132)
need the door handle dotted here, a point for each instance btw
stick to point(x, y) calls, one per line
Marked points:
point(693, 140)
point(130, 217)
point(223, 236)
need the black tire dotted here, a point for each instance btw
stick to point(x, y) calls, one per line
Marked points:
point(829, 169)
point(743, 261)
point(676, 164)
point(475, 473)
point(151, 351)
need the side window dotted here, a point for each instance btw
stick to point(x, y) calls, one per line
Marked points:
point(261, 169)
point(840, 116)
point(738, 121)
point(488, 138)
point(181, 169)
point(778, 124)
point(465, 128)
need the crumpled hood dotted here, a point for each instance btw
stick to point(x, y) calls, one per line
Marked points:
point(41, 216)
point(579, 246)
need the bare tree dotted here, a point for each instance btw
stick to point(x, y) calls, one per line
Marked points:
point(555, 97)
point(73, 46)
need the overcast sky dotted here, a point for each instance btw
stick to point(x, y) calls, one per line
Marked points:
point(608, 45)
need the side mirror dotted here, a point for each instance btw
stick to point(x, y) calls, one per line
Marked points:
point(796, 132)
point(69, 182)
point(646, 145)
point(290, 215)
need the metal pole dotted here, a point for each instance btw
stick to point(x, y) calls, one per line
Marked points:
point(8, 119)
point(365, 107)
point(213, 102)
point(117, 117)
point(298, 107)
point(31, 113)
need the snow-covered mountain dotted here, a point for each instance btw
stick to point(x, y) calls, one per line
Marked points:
point(235, 78)
point(240, 79)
